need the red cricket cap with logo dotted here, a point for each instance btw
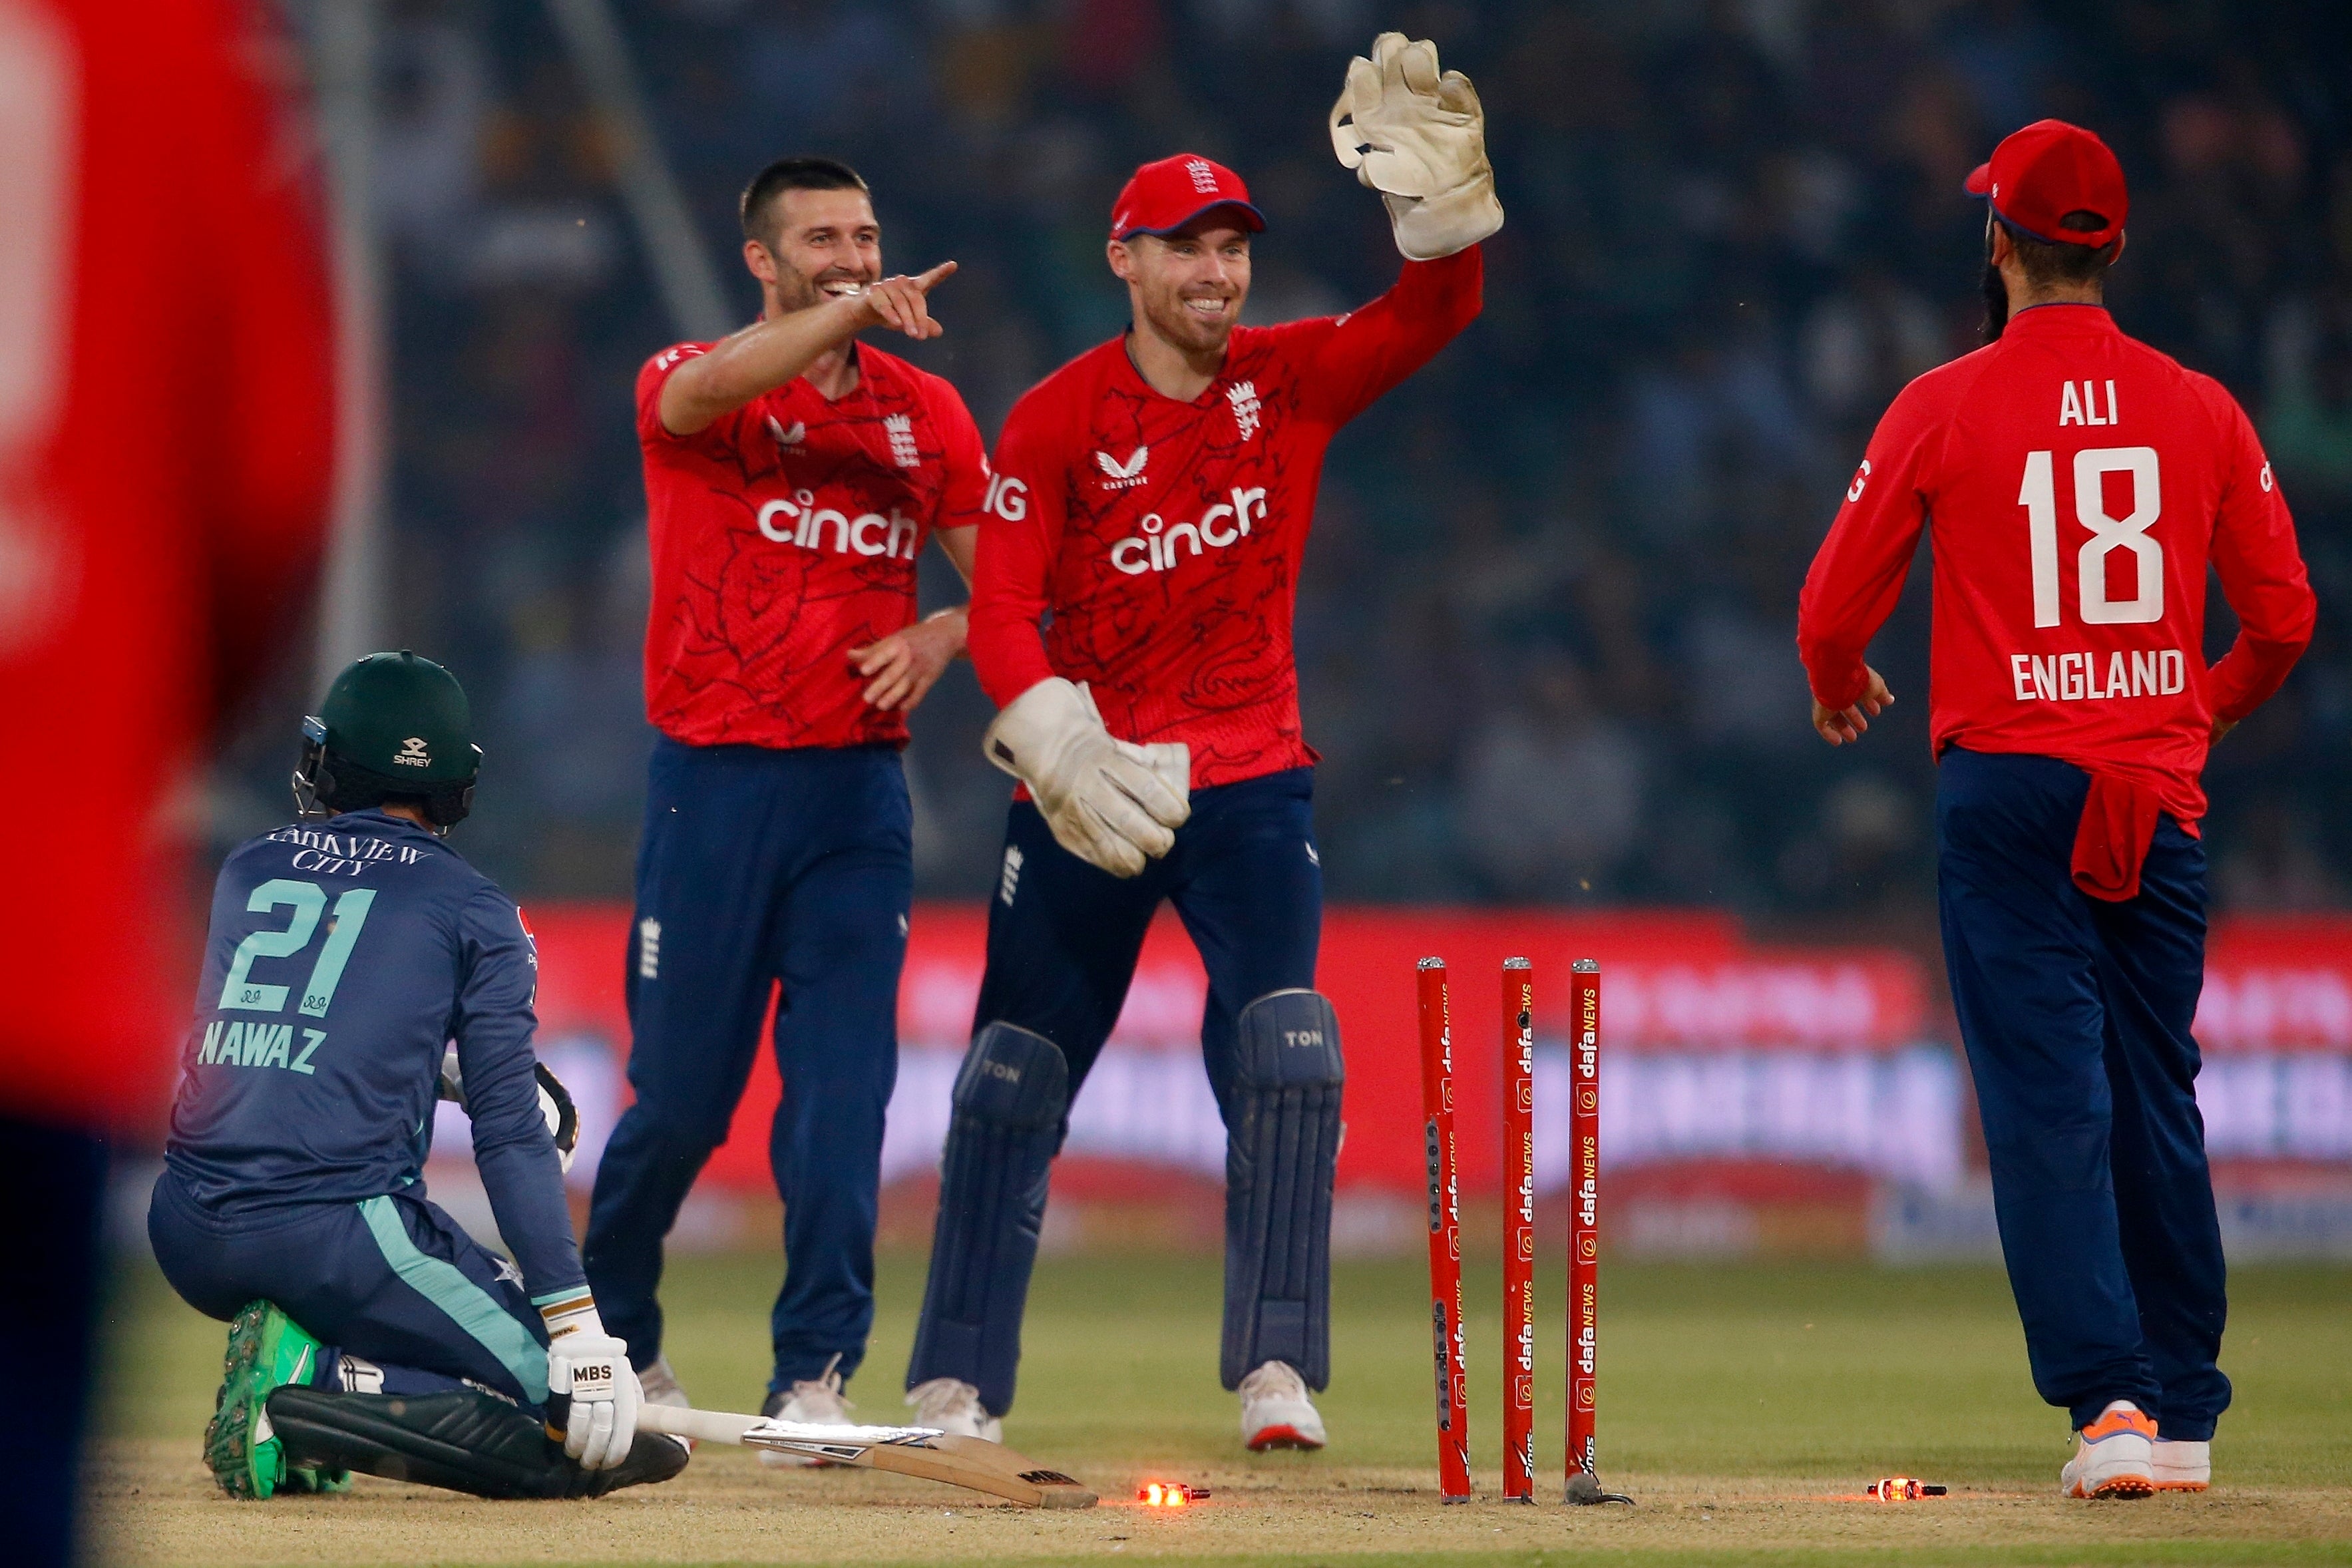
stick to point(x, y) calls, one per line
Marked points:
point(2047, 170)
point(1163, 197)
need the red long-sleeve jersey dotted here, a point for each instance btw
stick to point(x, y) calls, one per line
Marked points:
point(2074, 483)
point(166, 463)
point(1165, 536)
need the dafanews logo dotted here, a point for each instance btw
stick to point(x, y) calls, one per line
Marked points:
point(801, 521)
point(1155, 548)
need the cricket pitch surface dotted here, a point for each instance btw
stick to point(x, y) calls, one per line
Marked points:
point(1744, 1406)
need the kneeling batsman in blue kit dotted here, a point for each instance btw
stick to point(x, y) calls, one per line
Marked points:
point(357, 970)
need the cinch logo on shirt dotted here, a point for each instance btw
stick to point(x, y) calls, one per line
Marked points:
point(803, 522)
point(2074, 677)
point(1155, 550)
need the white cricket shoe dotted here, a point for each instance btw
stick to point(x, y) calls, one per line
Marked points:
point(1275, 1411)
point(811, 1399)
point(2114, 1456)
point(2183, 1466)
point(954, 1407)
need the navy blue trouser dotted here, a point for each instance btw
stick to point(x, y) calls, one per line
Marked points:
point(56, 1228)
point(761, 867)
point(1063, 937)
point(2076, 1013)
point(391, 1280)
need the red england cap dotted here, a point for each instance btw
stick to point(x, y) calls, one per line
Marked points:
point(2037, 175)
point(1162, 197)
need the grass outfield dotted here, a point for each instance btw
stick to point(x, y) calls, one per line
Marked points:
point(1738, 1404)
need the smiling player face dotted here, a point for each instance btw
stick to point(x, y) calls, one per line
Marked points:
point(1187, 289)
point(826, 242)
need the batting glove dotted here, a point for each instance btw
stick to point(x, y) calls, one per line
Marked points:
point(590, 1380)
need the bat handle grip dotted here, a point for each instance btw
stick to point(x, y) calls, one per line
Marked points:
point(702, 1425)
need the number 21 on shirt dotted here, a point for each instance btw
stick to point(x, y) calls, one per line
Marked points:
point(308, 899)
point(2039, 496)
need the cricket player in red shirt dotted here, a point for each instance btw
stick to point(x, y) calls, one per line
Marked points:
point(2075, 485)
point(792, 477)
point(167, 451)
point(1154, 496)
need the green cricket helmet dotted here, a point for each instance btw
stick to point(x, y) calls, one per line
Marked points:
point(394, 727)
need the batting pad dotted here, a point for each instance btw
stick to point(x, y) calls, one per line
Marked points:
point(1282, 1150)
point(464, 1441)
point(1010, 1099)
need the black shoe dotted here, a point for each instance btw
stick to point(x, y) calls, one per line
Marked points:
point(465, 1441)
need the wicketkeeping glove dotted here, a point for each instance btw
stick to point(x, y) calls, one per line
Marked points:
point(1109, 802)
point(1420, 139)
point(591, 1382)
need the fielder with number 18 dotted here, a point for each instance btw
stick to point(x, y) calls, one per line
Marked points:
point(1154, 496)
point(2076, 486)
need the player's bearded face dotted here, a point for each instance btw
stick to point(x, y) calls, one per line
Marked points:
point(826, 243)
point(1191, 286)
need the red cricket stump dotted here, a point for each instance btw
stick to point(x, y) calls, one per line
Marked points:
point(1584, 1236)
point(1518, 1231)
point(1444, 1233)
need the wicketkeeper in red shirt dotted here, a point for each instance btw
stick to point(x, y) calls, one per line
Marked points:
point(2075, 485)
point(1154, 496)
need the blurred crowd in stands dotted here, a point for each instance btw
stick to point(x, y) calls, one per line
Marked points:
point(1546, 615)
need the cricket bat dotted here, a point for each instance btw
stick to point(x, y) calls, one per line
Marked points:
point(973, 1463)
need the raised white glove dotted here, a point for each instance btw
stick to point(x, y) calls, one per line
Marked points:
point(1420, 139)
point(555, 1107)
point(1111, 803)
point(590, 1369)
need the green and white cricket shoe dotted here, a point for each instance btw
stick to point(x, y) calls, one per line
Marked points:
point(266, 1351)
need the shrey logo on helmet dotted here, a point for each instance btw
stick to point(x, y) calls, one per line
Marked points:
point(413, 753)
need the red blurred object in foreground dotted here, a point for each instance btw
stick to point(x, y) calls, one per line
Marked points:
point(167, 458)
point(1169, 1494)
